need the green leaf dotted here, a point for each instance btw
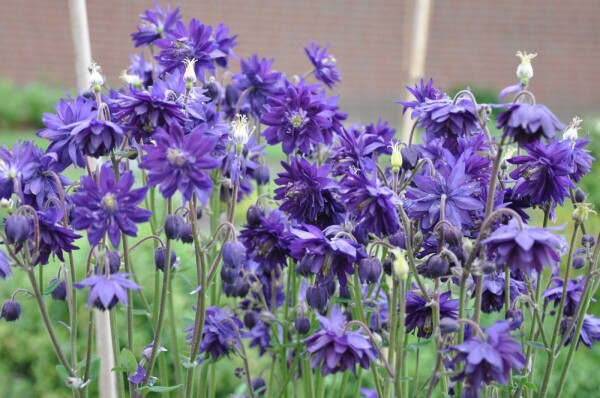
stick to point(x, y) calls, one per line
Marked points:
point(119, 369)
point(52, 286)
point(531, 386)
point(128, 360)
point(536, 345)
point(94, 368)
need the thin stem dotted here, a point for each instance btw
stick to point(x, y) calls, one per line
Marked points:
point(116, 349)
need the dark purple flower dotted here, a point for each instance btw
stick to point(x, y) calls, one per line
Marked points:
point(324, 256)
point(543, 174)
point(16, 165)
point(307, 194)
point(179, 162)
point(139, 376)
point(336, 349)
point(523, 248)
point(527, 123)
point(488, 358)
point(97, 136)
point(140, 70)
point(443, 118)
point(419, 314)
point(41, 184)
point(156, 24)
point(109, 206)
point(107, 290)
point(372, 204)
point(219, 335)
point(225, 43)
point(144, 111)
point(11, 310)
point(258, 82)
point(581, 159)
point(260, 336)
point(574, 293)
point(54, 237)
point(267, 242)
point(422, 92)
point(5, 262)
point(296, 118)
point(195, 42)
point(493, 296)
point(325, 65)
point(590, 331)
point(69, 113)
point(59, 292)
point(423, 200)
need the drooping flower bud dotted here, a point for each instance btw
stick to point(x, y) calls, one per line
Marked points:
point(369, 270)
point(17, 228)
point(229, 273)
point(250, 319)
point(60, 290)
point(410, 157)
point(259, 386)
point(578, 262)
point(187, 235)
point(453, 235)
point(234, 253)
point(437, 266)
point(11, 310)
point(253, 215)
point(387, 266)
point(160, 258)
point(525, 70)
point(174, 225)
point(448, 325)
point(302, 324)
point(262, 174)
point(317, 297)
point(579, 196)
point(240, 288)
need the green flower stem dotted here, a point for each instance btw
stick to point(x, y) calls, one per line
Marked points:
point(126, 260)
point(393, 332)
point(559, 311)
point(400, 384)
point(163, 303)
point(114, 331)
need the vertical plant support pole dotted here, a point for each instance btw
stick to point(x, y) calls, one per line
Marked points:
point(107, 382)
point(418, 51)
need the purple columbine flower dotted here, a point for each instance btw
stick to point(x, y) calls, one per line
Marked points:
point(107, 290)
point(581, 160)
point(5, 270)
point(219, 336)
point(69, 113)
point(225, 43)
point(443, 118)
point(295, 118)
point(267, 241)
point(260, 336)
point(179, 162)
point(16, 165)
point(54, 237)
point(527, 123)
point(488, 358)
point(421, 92)
point(321, 253)
point(325, 65)
point(525, 249)
point(423, 200)
point(156, 24)
point(98, 136)
point(258, 82)
point(41, 185)
point(419, 314)
point(139, 376)
point(144, 111)
point(574, 292)
point(493, 297)
point(195, 42)
point(543, 174)
point(109, 206)
point(336, 349)
point(307, 194)
point(590, 331)
point(372, 204)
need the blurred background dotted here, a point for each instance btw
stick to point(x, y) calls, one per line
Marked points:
point(469, 44)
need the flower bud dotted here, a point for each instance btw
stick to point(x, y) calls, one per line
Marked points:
point(488, 267)
point(234, 253)
point(369, 270)
point(387, 266)
point(60, 291)
point(261, 175)
point(579, 196)
point(396, 158)
point(253, 215)
point(240, 288)
point(11, 310)
point(588, 240)
point(229, 273)
point(578, 262)
point(410, 157)
point(302, 324)
point(525, 70)
point(515, 316)
point(304, 266)
point(453, 235)
point(448, 325)
point(398, 239)
point(160, 258)
point(18, 229)
point(213, 90)
point(174, 224)
point(187, 234)
point(437, 266)
point(259, 386)
point(317, 297)
point(250, 319)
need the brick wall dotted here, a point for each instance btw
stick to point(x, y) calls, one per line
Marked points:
point(470, 41)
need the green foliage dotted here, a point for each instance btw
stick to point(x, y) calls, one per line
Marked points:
point(23, 106)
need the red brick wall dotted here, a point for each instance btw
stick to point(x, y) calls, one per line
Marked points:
point(470, 41)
